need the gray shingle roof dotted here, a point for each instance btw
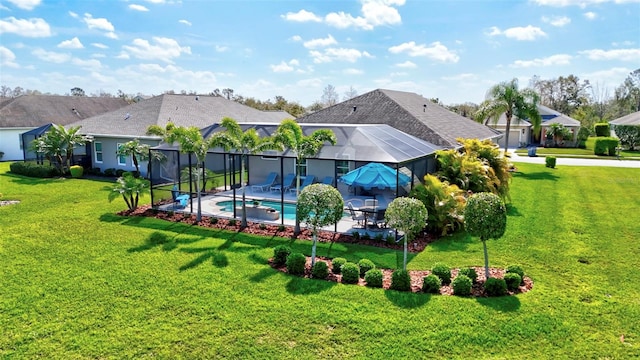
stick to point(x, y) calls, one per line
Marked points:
point(182, 110)
point(38, 110)
point(407, 112)
point(549, 116)
point(630, 119)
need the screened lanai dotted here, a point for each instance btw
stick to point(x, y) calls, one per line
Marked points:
point(356, 146)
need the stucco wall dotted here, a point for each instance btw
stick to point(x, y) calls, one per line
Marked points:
point(10, 143)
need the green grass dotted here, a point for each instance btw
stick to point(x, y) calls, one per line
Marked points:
point(77, 281)
point(586, 153)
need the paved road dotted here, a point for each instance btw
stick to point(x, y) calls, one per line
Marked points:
point(574, 161)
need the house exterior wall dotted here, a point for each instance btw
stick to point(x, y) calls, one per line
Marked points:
point(10, 143)
point(519, 137)
point(109, 157)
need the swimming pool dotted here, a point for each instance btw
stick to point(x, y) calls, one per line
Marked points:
point(289, 208)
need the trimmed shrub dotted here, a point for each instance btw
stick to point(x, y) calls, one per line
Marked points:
point(365, 265)
point(513, 281)
point(280, 254)
point(462, 285)
point(355, 235)
point(605, 146)
point(391, 239)
point(110, 172)
point(443, 272)
point(495, 287)
point(400, 280)
point(602, 129)
point(516, 269)
point(550, 162)
point(296, 263)
point(469, 272)
point(119, 172)
point(282, 227)
point(336, 264)
point(232, 222)
point(76, 171)
point(431, 284)
point(33, 170)
point(373, 278)
point(320, 270)
point(350, 273)
point(213, 220)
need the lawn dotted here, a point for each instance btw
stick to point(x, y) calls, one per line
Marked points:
point(586, 153)
point(77, 281)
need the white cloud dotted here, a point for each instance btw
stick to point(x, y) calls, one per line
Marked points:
point(617, 54)
point(461, 77)
point(185, 22)
point(25, 4)
point(435, 51)
point(284, 67)
point(137, 7)
point(111, 35)
point(87, 64)
point(73, 15)
point(614, 75)
point(99, 45)
point(221, 48)
point(71, 44)
point(558, 21)
point(580, 3)
point(34, 27)
point(296, 38)
point(407, 65)
point(163, 49)
point(98, 23)
point(315, 43)
point(374, 13)
point(338, 54)
point(528, 33)
point(553, 60)
point(301, 16)
point(51, 56)
point(8, 58)
point(590, 15)
point(352, 71)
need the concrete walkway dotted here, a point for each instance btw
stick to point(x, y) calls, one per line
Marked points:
point(516, 158)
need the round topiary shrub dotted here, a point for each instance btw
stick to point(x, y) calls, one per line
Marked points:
point(517, 269)
point(513, 281)
point(431, 284)
point(365, 265)
point(336, 264)
point(462, 285)
point(443, 272)
point(495, 287)
point(373, 277)
point(350, 273)
point(280, 254)
point(76, 171)
point(400, 280)
point(320, 270)
point(469, 272)
point(296, 263)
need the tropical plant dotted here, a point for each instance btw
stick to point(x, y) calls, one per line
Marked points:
point(444, 203)
point(506, 98)
point(290, 135)
point(407, 215)
point(130, 188)
point(485, 216)
point(58, 143)
point(245, 143)
point(558, 132)
point(319, 205)
point(135, 149)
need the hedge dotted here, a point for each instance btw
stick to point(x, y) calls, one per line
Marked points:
point(602, 129)
point(34, 170)
point(605, 145)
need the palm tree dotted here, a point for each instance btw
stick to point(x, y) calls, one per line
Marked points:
point(136, 150)
point(130, 188)
point(58, 143)
point(289, 133)
point(506, 98)
point(245, 143)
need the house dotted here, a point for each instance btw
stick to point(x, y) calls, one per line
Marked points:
point(408, 112)
point(27, 112)
point(112, 129)
point(629, 119)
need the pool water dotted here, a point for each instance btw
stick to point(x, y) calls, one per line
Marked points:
point(289, 208)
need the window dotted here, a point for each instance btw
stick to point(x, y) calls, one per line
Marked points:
point(303, 167)
point(122, 159)
point(342, 167)
point(97, 149)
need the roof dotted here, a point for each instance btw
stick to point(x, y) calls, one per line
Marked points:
point(408, 112)
point(370, 142)
point(38, 110)
point(549, 116)
point(183, 110)
point(630, 119)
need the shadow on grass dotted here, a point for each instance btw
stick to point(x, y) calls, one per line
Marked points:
point(513, 211)
point(458, 241)
point(167, 242)
point(540, 175)
point(502, 304)
point(303, 286)
point(407, 300)
point(218, 259)
point(263, 274)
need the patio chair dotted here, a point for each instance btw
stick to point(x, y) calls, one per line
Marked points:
point(328, 180)
point(359, 219)
point(179, 200)
point(308, 180)
point(271, 179)
point(286, 183)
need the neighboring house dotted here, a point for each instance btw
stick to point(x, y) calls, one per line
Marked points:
point(112, 129)
point(630, 119)
point(408, 112)
point(27, 112)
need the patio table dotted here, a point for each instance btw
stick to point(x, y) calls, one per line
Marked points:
point(374, 212)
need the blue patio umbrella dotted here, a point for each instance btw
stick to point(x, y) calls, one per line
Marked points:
point(375, 175)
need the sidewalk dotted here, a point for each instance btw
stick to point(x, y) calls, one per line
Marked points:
point(515, 158)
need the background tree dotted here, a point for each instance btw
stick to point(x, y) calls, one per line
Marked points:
point(627, 95)
point(564, 94)
point(319, 205)
point(76, 91)
point(58, 144)
point(407, 215)
point(245, 143)
point(130, 188)
point(289, 134)
point(136, 150)
point(629, 135)
point(506, 98)
point(485, 216)
point(350, 94)
point(330, 96)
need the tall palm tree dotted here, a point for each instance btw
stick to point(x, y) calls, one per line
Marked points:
point(136, 150)
point(58, 143)
point(245, 143)
point(289, 133)
point(506, 98)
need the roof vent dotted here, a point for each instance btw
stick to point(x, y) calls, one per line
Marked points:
point(75, 111)
point(424, 108)
point(355, 108)
point(127, 116)
point(197, 97)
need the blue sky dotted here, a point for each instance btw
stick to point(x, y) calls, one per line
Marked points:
point(453, 50)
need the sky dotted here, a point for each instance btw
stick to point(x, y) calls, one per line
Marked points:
point(452, 50)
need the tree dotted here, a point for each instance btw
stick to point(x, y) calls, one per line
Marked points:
point(558, 132)
point(350, 94)
point(58, 144)
point(319, 205)
point(136, 150)
point(485, 216)
point(506, 98)
point(564, 94)
point(627, 95)
point(76, 91)
point(628, 134)
point(228, 92)
point(407, 215)
point(290, 135)
point(444, 204)
point(130, 188)
point(330, 96)
point(245, 143)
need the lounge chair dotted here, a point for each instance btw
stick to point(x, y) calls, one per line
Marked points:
point(359, 219)
point(271, 179)
point(328, 180)
point(308, 180)
point(179, 200)
point(286, 183)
